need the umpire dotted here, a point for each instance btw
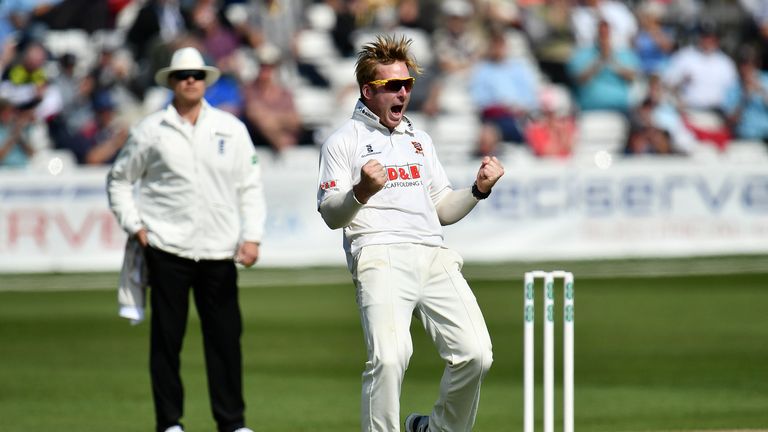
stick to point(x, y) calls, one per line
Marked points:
point(199, 209)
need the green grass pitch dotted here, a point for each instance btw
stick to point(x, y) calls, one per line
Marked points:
point(660, 346)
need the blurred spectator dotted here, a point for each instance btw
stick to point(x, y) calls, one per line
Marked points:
point(552, 132)
point(505, 90)
point(667, 116)
point(88, 15)
point(114, 72)
point(270, 112)
point(654, 42)
point(26, 78)
point(218, 40)
point(76, 113)
point(157, 24)
point(756, 32)
point(15, 149)
point(225, 95)
point(548, 25)
point(588, 13)
point(345, 25)
point(14, 20)
point(99, 140)
point(65, 81)
point(602, 74)
point(26, 81)
point(645, 137)
point(457, 47)
point(278, 23)
point(746, 102)
point(700, 74)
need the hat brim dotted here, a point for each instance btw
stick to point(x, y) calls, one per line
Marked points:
point(212, 74)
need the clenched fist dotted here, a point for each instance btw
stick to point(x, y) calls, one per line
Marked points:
point(373, 177)
point(489, 173)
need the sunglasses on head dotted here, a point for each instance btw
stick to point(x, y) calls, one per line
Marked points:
point(183, 75)
point(395, 84)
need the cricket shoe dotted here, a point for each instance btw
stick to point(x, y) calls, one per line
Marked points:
point(243, 429)
point(417, 423)
point(176, 428)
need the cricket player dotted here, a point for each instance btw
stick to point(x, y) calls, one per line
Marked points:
point(381, 181)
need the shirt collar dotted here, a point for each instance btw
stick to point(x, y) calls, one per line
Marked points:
point(174, 118)
point(365, 115)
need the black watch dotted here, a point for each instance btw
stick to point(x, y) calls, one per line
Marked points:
point(477, 194)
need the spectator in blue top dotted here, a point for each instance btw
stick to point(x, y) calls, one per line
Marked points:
point(505, 90)
point(746, 102)
point(603, 75)
point(654, 42)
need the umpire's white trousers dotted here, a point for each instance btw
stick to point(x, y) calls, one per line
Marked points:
point(394, 282)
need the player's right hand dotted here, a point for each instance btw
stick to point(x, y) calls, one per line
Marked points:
point(373, 177)
point(141, 236)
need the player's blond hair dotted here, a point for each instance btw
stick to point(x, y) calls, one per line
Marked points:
point(386, 49)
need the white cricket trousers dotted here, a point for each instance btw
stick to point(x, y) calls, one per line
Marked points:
point(395, 282)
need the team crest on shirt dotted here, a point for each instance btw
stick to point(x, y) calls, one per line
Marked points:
point(417, 146)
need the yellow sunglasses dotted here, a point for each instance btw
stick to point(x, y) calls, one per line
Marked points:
point(395, 84)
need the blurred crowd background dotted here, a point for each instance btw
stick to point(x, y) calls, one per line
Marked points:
point(544, 78)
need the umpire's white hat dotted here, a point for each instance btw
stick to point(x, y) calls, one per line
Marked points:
point(187, 58)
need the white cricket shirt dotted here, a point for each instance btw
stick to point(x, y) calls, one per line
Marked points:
point(200, 190)
point(404, 210)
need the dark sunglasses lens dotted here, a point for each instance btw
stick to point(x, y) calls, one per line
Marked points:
point(183, 75)
point(396, 85)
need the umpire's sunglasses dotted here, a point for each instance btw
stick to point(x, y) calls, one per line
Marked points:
point(395, 84)
point(183, 75)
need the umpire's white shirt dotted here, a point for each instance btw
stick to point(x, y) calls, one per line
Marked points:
point(402, 212)
point(200, 189)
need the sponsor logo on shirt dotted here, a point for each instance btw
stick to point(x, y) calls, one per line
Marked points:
point(369, 151)
point(400, 176)
point(330, 184)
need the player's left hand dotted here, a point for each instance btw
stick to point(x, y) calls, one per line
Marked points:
point(247, 253)
point(489, 173)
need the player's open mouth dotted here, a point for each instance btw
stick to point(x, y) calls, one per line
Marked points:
point(397, 109)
